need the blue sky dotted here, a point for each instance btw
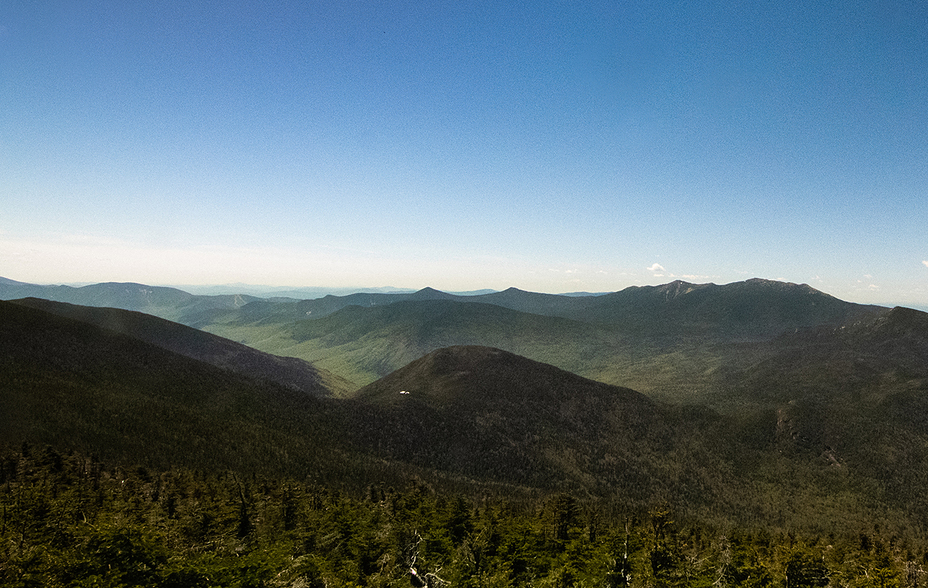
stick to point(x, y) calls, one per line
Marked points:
point(551, 146)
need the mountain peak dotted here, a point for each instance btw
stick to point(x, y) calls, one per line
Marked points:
point(429, 293)
point(678, 288)
point(901, 322)
point(473, 373)
point(779, 285)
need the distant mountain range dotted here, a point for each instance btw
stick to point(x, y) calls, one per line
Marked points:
point(168, 303)
point(677, 342)
point(301, 293)
point(756, 402)
point(670, 341)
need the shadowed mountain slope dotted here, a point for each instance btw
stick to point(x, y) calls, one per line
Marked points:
point(488, 414)
point(857, 364)
point(74, 385)
point(851, 398)
point(493, 413)
point(288, 371)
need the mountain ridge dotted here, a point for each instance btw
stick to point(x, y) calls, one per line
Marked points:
point(290, 372)
point(679, 342)
point(673, 341)
point(78, 386)
point(165, 302)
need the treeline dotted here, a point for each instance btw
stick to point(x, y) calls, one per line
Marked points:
point(68, 520)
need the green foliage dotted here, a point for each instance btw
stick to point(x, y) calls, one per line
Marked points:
point(68, 520)
point(805, 570)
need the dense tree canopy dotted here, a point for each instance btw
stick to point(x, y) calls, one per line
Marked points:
point(68, 520)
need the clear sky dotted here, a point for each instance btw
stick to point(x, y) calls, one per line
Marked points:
point(551, 146)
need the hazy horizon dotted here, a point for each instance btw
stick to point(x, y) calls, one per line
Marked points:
point(552, 147)
point(318, 291)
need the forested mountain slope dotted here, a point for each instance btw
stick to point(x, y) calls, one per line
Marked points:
point(492, 414)
point(288, 371)
point(74, 385)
